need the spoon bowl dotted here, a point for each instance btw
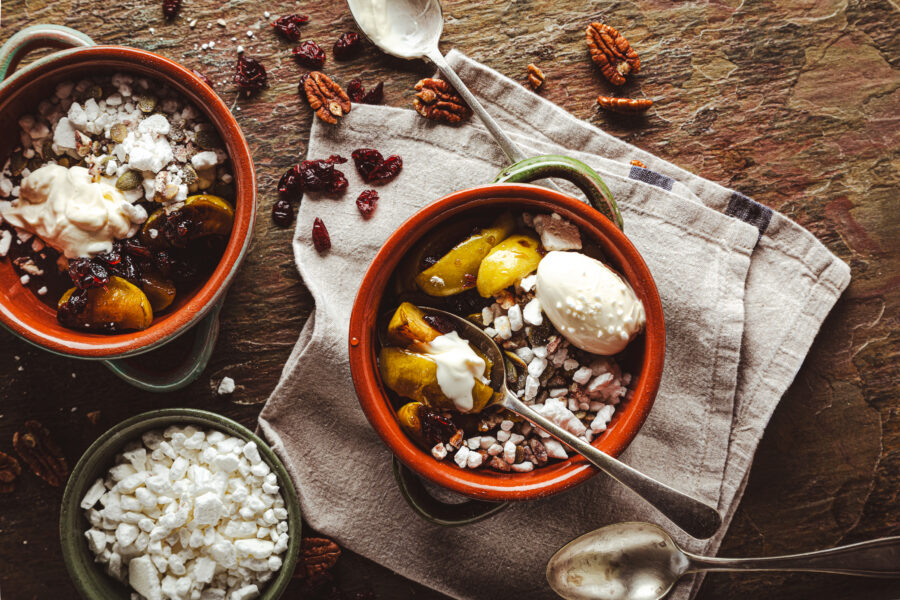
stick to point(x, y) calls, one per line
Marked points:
point(690, 514)
point(625, 561)
point(403, 28)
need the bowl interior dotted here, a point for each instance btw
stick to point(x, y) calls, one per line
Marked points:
point(642, 358)
point(19, 308)
point(89, 577)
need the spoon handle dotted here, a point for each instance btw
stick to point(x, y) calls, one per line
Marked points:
point(694, 517)
point(509, 147)
point(874, 558)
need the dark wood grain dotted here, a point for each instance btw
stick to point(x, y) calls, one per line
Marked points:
point(796, 104)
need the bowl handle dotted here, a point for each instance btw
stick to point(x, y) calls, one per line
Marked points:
point(435, 511)
point(206, 333)
point(587, 180)
point(35, 37)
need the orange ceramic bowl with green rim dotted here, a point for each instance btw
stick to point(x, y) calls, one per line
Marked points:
point(643, 358)
point(32, 320)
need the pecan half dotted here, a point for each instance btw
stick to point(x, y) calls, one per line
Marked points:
point(612, 52)
point(436, 99)
point(535, 76)
point(9, 472)
point(41, 453)
point(626, 106)
point(317, 557)
point(329, 101)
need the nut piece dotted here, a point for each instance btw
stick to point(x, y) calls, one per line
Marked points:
point(612, 52)
point(636, 163)
point(9, 472)
point(535, 76)
point(317, 557)
point(326, 98)
point(626, 106)
point(41, 453)
point(436, 99)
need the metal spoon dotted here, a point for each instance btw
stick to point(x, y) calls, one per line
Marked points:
point(691, 515)
point(640, 561)
point(411, 29)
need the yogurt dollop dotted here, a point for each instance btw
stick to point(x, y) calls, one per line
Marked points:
point(457, 368)
point(66, 209)
point(589, 303)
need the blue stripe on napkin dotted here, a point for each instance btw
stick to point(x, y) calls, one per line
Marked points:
point(749, 211)
point(651, 177)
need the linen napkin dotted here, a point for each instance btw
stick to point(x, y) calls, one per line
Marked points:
point(744, 290)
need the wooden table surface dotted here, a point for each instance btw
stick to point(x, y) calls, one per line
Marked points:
point(795, 104)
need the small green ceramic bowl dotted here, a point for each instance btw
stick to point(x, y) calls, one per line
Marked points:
point(89, 577)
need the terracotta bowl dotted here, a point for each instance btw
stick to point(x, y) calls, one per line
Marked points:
point(20, 92)
point(643, 358)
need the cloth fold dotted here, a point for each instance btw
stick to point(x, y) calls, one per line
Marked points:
point(744, 291)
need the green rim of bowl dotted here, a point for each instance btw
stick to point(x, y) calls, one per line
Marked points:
point(89, 578)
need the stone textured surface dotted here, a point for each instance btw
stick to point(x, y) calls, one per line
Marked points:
point(796, 104)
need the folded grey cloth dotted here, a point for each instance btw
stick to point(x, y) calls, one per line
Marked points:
point(744, 290)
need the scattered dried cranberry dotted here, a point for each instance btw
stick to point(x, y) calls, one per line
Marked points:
point(366, 202)
point(338, 183)
point(283, 213)
point(202, 77)
point(375, 95)
point(321, 239)
point(469, 280)
point(134, 247)
point(358, 94)
point(288, 26)
point(309, 55)
point(250, 75)
point(301, 87)
point(336, 159)
point(171, 8)
point(347, 46)
point(374, 168)
point(87, 273)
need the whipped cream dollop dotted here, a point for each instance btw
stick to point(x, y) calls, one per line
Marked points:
point(458, 366)
point(589, 303)
point(70, 211)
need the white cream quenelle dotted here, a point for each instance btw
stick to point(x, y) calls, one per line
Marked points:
point(457, 368)
point(69, 211)
point(589, 303)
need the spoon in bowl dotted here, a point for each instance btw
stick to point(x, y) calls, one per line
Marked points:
point(691, 515)
point(640, 561)
point(411, 29)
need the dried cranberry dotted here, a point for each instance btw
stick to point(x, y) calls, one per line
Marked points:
point(68, 311)
point(309, 54)
point(338, 183)
point(435, 426)
point(468, 280)
point(202, 77)
point(366, 202)
point(321, 239)
point(336, 159)
point(289, 187)
point(250, 75)
point(288, 26)
point(87, 273)
point(373, 167)
point(357, 92)
point(164, 262)
point(347, 46)
point(375, 95)
point(134, 247)
point(316, 175)
point(171, 8)
point(301, 87)
point(283, 213)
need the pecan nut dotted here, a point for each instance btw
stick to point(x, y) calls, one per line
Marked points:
point(612, 52)
point(9, 472)
point(329, 101)
point(41, 453)
point(436, 99)
point(317, 557)
point(626, 106)
point(535, 76)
